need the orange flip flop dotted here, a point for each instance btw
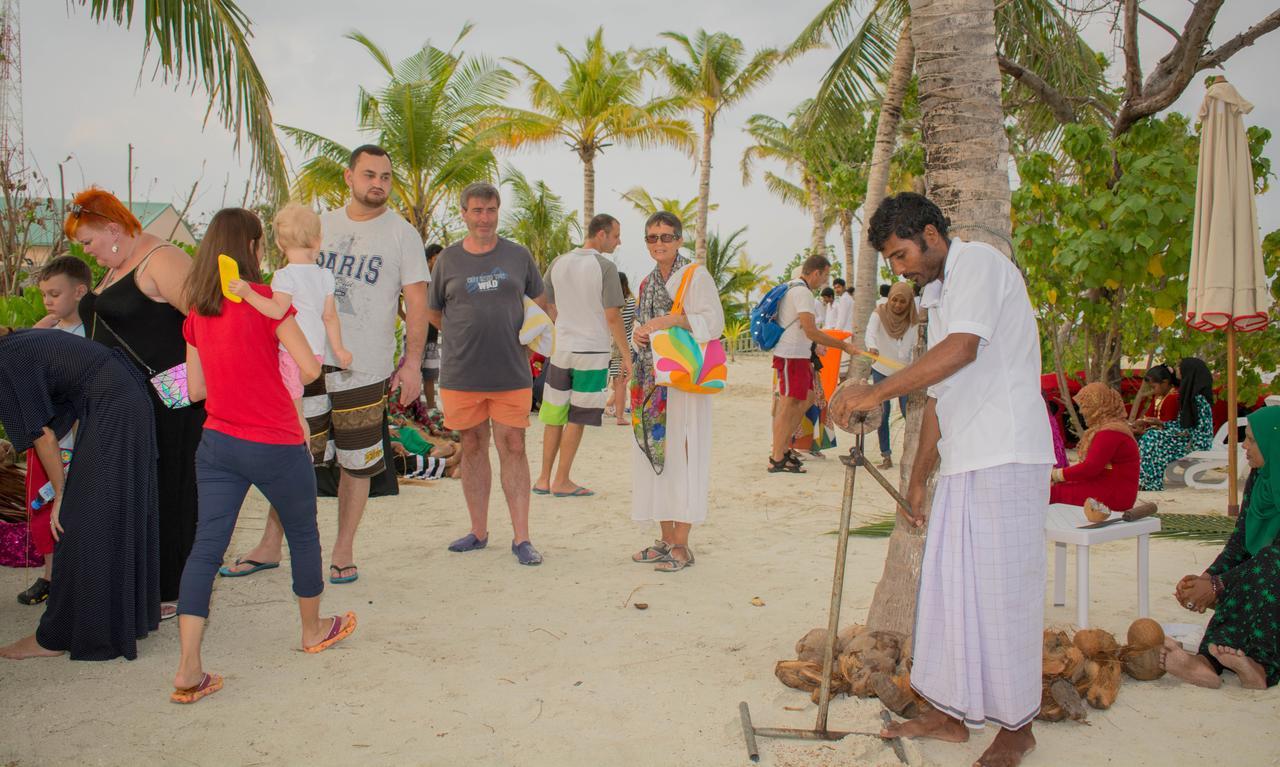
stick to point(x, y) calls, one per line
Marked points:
point(210, 684)
point(340, 630)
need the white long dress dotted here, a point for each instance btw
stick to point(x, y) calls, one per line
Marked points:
point(679, 494)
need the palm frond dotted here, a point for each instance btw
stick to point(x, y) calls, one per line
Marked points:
point(207, 42)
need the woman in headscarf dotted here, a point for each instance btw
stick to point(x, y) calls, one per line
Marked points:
point(1191, 430)
point(1108, 467)
point(887, 337)
point(1242, 586)
point(671, 459)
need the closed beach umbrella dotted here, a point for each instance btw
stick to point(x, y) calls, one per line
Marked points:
point(1227, 287)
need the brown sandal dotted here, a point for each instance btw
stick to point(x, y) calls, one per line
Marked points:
point(660, 551)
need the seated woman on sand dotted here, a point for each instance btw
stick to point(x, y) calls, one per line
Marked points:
point(1192, 430)
point(1242, 586)
point(1108, 467)
point(1163, 403)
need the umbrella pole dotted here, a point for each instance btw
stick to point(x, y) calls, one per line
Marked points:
point(1233, 508)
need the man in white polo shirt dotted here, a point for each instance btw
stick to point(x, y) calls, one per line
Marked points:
point(792, 359)
point(980, 612)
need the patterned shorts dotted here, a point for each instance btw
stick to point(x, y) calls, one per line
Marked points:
point(345, 411)
point(575, 390)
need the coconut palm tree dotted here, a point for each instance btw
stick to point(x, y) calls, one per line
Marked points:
point(535, 217)
point(732, 271)
point(207, 41)
point(599, 103)
point(798, 149)
point(646, 204)
point(428, 117)
point(711, 75)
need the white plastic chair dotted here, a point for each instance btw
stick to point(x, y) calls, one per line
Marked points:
point(1201, 463)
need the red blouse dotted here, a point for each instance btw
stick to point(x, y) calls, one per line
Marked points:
point(1109, 473)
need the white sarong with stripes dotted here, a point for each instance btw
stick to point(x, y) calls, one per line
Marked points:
point(980, 610)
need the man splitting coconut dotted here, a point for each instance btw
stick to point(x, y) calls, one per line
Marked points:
point(980, 611)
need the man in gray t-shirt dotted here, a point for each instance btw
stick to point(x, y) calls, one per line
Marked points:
point(476, 299)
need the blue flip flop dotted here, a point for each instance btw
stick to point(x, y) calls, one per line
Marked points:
point(468, 542)
point(581, 492)
point(540, 491)
point(227, 572)
point(352, 578)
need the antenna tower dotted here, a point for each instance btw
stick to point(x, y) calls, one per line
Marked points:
point(11, 152)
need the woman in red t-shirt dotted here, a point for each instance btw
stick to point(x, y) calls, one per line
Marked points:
point(1108, 466)
point(251, 437)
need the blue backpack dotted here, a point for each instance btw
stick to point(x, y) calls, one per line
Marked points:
point(765, 330)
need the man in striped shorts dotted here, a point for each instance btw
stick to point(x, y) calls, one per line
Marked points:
point(584, 297)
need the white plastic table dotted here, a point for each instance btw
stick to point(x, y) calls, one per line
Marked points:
point(1062, 527)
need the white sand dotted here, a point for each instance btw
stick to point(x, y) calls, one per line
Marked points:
point(471, 659)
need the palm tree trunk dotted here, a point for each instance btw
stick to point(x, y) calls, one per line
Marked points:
point(818, 236)
point(864, 291)
point(962, 119)
point(588, 190)
point(704, 188)
point(845, 219)
point(967, 175)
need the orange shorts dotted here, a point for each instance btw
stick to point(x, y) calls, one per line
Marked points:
point(467, 409)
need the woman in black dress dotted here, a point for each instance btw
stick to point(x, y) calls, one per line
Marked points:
point(105, 593)
point(139, 308)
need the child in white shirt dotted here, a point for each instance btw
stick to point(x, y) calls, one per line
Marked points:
point(305, 286)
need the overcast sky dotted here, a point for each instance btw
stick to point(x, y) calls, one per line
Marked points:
point(82, 96)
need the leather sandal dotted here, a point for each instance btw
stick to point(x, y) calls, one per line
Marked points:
point(671, 564)
point(660, 551)
point(785, 465)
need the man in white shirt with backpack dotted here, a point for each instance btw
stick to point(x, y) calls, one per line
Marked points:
point(792, 359)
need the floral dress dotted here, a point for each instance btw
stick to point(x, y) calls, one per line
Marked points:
point(1247, 615)
point(1160, 447)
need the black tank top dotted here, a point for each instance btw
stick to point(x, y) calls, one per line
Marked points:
point(152, 329)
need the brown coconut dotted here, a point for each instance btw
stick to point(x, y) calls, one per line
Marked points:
point(1094, 513)
point(1096, 644)
point(848, 665)
point(900, 700)
point(1068, 700)
point(1145, 633)
point(1106, 686)
point(846, 635)
point(811, 646)
point(798, 674)
point(1143, 665)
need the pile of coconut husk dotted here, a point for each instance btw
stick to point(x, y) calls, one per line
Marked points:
point(1082, 668)
point(1086, 668)
point(867, 664)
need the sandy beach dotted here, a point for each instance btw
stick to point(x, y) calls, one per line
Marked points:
point(471, 659)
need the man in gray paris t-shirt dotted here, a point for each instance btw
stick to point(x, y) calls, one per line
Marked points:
point(482, 300)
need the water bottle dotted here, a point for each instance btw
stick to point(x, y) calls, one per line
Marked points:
point(43, 496)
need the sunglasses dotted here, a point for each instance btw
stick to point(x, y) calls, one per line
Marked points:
point(76, 210)
point(652, 238)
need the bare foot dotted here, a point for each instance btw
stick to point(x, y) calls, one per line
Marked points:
point(1195, 669)
point(27, 647)
point(323, 628)
point(931, 724)
point(1252, 675)
point(186, 678)
point(1008, 748)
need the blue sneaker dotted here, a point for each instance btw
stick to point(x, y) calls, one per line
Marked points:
point(469, 542)
point(526, 553)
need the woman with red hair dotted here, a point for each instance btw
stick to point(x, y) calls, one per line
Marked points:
point(139, 308)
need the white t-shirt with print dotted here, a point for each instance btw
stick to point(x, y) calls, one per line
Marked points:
point(371, 262)
point(308, 285)
point(794, 344)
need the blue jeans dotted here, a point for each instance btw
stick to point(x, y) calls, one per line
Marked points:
point(883, 431)
point(225, 468)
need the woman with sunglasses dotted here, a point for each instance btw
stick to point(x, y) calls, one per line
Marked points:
point(671, 464)
point(139, 308)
